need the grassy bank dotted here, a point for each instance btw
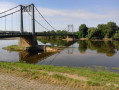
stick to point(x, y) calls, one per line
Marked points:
point(37, 48)
point(76, 77)
point(15, 48)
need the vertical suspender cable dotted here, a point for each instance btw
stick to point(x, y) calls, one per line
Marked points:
point(25, 28)
point(5, 23)
point(16, 22)
point(12, 22)
point(29, 23)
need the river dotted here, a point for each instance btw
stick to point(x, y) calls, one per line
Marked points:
point(77, 54)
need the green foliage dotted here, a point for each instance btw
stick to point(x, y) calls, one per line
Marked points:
point(116, 35)
point(94, 33)
point(82, 31)
point(55, 32)
point(102, 28)
point(109, 30)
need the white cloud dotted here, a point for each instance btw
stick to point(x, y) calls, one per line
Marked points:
point(78, 14)
point(6, 5)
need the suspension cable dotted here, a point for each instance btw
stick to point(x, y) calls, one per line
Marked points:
point(44, 18)
point(65, 28)
point(39, 23)
point(9, 14)
point(9, 9)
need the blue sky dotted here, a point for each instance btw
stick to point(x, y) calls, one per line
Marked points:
point(69, 4)
point(62, 12)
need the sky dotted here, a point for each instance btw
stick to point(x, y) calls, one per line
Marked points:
point(60, 13)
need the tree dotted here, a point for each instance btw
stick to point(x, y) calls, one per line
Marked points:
point(83, 31)
point(93, 33)
point(59, 32)
point(52, 32)
point(102, 28)
point(64, 32)
point(116, 35)
point(111, 29)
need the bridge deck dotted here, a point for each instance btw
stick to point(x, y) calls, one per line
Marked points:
point(18, 34)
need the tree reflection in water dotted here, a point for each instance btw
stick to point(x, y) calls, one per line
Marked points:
point(106, 47)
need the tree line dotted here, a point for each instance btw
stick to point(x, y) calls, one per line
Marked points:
point(109, 30)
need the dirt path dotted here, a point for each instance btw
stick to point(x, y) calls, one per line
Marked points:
point(11, 82)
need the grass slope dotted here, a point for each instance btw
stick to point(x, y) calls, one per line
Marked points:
point(69, 76)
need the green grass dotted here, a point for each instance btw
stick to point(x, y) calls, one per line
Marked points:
point(93, 83)
point(115, 68)
point(59, 77)
point(14, 48)
point(96, 77)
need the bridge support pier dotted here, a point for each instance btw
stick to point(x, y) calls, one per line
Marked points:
point(28, 41)
point(70, 38)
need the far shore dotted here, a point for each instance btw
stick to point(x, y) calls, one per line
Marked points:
point(104, 39)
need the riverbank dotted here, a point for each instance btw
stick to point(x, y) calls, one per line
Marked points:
point(38, 48)
point(68, 77)
point(103, 39)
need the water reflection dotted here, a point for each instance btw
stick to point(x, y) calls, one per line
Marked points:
point(33, 58)
point(105, 47)
point(56, 42)
point(75, 54)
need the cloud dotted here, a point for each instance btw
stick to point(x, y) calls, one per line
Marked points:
point(78, 14)
point(6, 5)
point(59, 18)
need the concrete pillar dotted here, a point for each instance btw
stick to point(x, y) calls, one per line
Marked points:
point(28, 41)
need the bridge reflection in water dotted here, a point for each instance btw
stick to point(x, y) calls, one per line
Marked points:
point(35, 57)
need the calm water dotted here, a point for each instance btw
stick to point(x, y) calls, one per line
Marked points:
point(77, 54)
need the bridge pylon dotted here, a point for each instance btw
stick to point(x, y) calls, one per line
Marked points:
point(29, 8)
point(21, 19)
point(31, 40)
point(70, 29)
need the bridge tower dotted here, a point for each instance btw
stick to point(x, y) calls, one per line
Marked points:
point(70, 29)
point(21, 20)
point(31, 40)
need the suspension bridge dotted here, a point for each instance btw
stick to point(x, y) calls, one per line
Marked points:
point(27, 22)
